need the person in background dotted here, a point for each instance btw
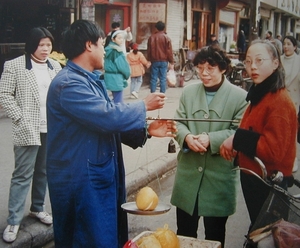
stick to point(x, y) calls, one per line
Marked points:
point(193, 43)
point(137, 61)
point(205, 184)
point(159, 53)
point(261, 133)
point(241, 42)
point(126, 33)
point(213, 41)
point(277, 43)
point(23, 89)
point(291, 64)
point(85, 168)
point(116, 67)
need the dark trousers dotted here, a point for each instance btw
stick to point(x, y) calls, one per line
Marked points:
point(255, 193)
point(187, 225)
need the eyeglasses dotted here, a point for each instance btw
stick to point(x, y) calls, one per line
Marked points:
point(209, 69)
point(257, 61)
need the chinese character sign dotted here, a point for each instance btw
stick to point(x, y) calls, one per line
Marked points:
point(152, 12)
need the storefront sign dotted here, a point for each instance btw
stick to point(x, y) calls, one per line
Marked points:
point(152, 12)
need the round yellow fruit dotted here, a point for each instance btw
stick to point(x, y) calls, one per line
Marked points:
point(146, 199)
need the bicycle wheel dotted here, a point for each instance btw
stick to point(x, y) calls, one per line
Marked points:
point(188, 71)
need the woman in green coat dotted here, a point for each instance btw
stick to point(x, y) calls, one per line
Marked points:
point(205, 184)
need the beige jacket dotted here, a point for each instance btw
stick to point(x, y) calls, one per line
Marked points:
point(291, 66)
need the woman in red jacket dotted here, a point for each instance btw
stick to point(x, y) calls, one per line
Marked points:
point(268, 127)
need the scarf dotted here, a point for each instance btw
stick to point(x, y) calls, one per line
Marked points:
point(258, 91)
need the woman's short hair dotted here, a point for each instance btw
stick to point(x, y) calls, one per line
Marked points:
point(74, 38)
point(213, 56)
point(292, 39)
point(34, 38)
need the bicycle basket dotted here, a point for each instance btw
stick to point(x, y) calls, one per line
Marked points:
point(277, 206)
point(190, 55)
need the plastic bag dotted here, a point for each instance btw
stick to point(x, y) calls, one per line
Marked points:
point(171, 78)
point(286, 235)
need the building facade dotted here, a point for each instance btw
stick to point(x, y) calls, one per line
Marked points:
point(184, 19)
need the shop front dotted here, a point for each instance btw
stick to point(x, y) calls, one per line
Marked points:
point(19, 16)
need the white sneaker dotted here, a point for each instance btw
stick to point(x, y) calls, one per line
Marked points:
point(10, 233)
point(44, 217)
point(135, 94)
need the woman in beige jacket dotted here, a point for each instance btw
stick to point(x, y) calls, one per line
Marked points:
point(291, 63)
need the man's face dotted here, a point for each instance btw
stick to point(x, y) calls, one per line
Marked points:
point(268, 36)
point(98, 55)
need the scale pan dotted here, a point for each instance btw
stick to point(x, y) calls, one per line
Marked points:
point(130, 207)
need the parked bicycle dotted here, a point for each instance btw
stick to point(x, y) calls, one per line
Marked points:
point(237, 75)
point(189, 70)
point(278, 222)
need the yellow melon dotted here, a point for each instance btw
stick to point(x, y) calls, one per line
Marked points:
point(146, 199)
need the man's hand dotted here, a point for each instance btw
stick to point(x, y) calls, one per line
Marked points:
point(171, 66)
point(226, 149)
point(162, 128)
point(127, 29)
point(154, 101)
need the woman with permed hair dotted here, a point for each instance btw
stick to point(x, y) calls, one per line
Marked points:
point(205, 184)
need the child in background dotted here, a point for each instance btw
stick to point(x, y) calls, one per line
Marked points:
point(137, 61)
point(116, 67)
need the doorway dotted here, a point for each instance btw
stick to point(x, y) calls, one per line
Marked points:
point(201, 24)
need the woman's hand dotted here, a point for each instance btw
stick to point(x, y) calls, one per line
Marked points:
point(226, 149)
point(204, 139)
point(194, 144)
point(162, 128)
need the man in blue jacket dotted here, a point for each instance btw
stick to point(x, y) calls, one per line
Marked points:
point(84, 158)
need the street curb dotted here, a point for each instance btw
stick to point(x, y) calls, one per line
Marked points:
point(32, 234)
point(35, 234)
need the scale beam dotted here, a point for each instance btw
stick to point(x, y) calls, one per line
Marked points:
point(191, 119)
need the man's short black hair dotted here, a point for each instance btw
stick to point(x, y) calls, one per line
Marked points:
point(115, 25)
point(34, 38)
point(74, 38)
point(160, 26)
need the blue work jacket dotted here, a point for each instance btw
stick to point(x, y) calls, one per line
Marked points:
point(84, 158)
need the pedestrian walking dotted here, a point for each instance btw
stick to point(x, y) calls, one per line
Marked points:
point(277, 43)
point(126, 33)
point(261, 133)
point(23, 89)
point(213, 41)
point(116, 67)
point(159, 53)
point(85, 167)
point(137, 61)
point(205, 184)
point(241, 42)
point(291, 64)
